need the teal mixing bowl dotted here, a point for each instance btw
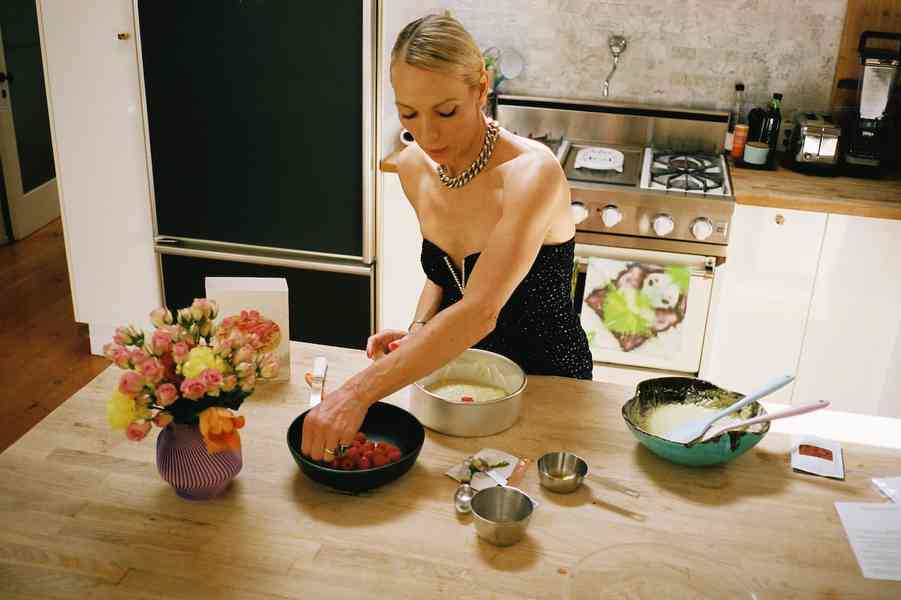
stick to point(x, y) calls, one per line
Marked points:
point(686, 390)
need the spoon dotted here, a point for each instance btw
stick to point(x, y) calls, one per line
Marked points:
point(463, 495)
point(689, 432)
point(788, 412)
point(463, 498)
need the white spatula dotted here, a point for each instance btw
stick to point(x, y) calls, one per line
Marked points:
point(692, 430)
point(781, 414)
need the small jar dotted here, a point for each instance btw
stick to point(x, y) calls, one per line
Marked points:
point(739, 139)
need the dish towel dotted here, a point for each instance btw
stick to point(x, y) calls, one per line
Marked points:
point(627, 304)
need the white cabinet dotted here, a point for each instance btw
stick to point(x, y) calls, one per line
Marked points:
point(97, 124)
point(399, 271)
point(762, 298)
point(852, 351)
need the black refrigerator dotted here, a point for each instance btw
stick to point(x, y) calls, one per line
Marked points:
point(261, 135)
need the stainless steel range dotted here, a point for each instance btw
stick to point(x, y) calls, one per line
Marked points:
point(672, 192)
point(652, 199)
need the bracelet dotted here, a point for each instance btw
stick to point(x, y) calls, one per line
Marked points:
point(414, 323)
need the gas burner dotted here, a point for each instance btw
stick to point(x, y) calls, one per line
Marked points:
point(686, 172)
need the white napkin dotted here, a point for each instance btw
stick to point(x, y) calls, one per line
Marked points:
point(480, 481)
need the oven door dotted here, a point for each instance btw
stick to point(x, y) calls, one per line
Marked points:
point(643, 308)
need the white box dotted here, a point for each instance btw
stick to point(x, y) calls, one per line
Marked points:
point(268, 295)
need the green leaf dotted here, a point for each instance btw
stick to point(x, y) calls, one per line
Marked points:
point(619, 316)
point(680, 276)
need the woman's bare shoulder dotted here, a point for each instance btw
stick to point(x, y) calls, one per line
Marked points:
point(531, 160)
point(412, 161)
point(412, 164)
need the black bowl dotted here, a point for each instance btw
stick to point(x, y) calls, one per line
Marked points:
point(383, 423)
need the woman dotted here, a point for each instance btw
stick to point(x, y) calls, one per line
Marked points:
point(498, 237)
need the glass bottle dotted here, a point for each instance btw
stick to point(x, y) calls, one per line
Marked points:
point(769, 131)
point(736, 114)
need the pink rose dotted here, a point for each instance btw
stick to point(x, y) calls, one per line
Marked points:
point(202, 309)
point(168, 366)
point(122, 358)
point(248, 383)
point(269, 368)
point(166, 394)
point(138, 356)
point(229, 382)
point(244, 355)
point(213, 379)
point(131, 383)
point(161, 341)
point(180, 352)
point(110, 350)
point(222, 347)
point(236, 339)
point(193, 389)
point(118, 354)
point(123, 336)
point(137, 430)
point(244, 370)
point(152, 370)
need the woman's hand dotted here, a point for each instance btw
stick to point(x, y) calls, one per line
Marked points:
point(384, 342)
point(335, 420)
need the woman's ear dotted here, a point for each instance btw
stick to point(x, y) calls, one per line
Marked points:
point(483, 89)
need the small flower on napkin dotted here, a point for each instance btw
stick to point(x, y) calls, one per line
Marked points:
point(503, 466)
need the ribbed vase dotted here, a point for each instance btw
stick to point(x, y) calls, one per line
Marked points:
point(183, 461)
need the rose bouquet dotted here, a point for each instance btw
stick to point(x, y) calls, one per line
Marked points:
point(191, 371)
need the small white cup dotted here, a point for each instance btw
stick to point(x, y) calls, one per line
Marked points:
point(756, 153)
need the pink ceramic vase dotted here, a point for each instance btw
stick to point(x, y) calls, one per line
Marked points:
point(183, 461)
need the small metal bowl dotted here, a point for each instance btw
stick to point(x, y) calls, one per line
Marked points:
point(501, 514)
point(561, 472)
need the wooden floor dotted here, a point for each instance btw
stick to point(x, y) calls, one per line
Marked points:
point(44, 355)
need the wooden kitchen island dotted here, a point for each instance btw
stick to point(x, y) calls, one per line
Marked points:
point(85, 514)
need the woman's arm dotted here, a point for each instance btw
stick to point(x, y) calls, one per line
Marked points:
point(531, 199)
point(429, 302)
point(387, 340)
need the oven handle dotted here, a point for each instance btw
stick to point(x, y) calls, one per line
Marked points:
point(706, 272)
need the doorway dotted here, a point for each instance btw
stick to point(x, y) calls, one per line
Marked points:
point(28, 191)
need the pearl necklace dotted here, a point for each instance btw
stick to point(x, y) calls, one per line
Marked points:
point(491, 135)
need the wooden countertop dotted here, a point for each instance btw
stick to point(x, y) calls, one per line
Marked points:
point(788, 189)
point(784, 188)
point(85, 514)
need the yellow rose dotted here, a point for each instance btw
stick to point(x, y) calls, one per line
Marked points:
point(200, 359)
point(122, 410)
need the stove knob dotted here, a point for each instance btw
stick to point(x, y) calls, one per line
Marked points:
point(579, 212)
point(701, 228)
point(663, 225)
point(611, 215)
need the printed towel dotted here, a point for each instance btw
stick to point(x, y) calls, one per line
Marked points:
point(632, 306)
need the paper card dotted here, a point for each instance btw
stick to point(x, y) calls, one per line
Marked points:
point(818, 456)
point(268, 295)
point(874, 531)
point(890, 487)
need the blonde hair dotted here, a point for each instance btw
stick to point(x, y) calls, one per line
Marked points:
point(439, 43)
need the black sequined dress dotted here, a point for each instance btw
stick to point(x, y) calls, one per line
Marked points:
point(537, 328)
